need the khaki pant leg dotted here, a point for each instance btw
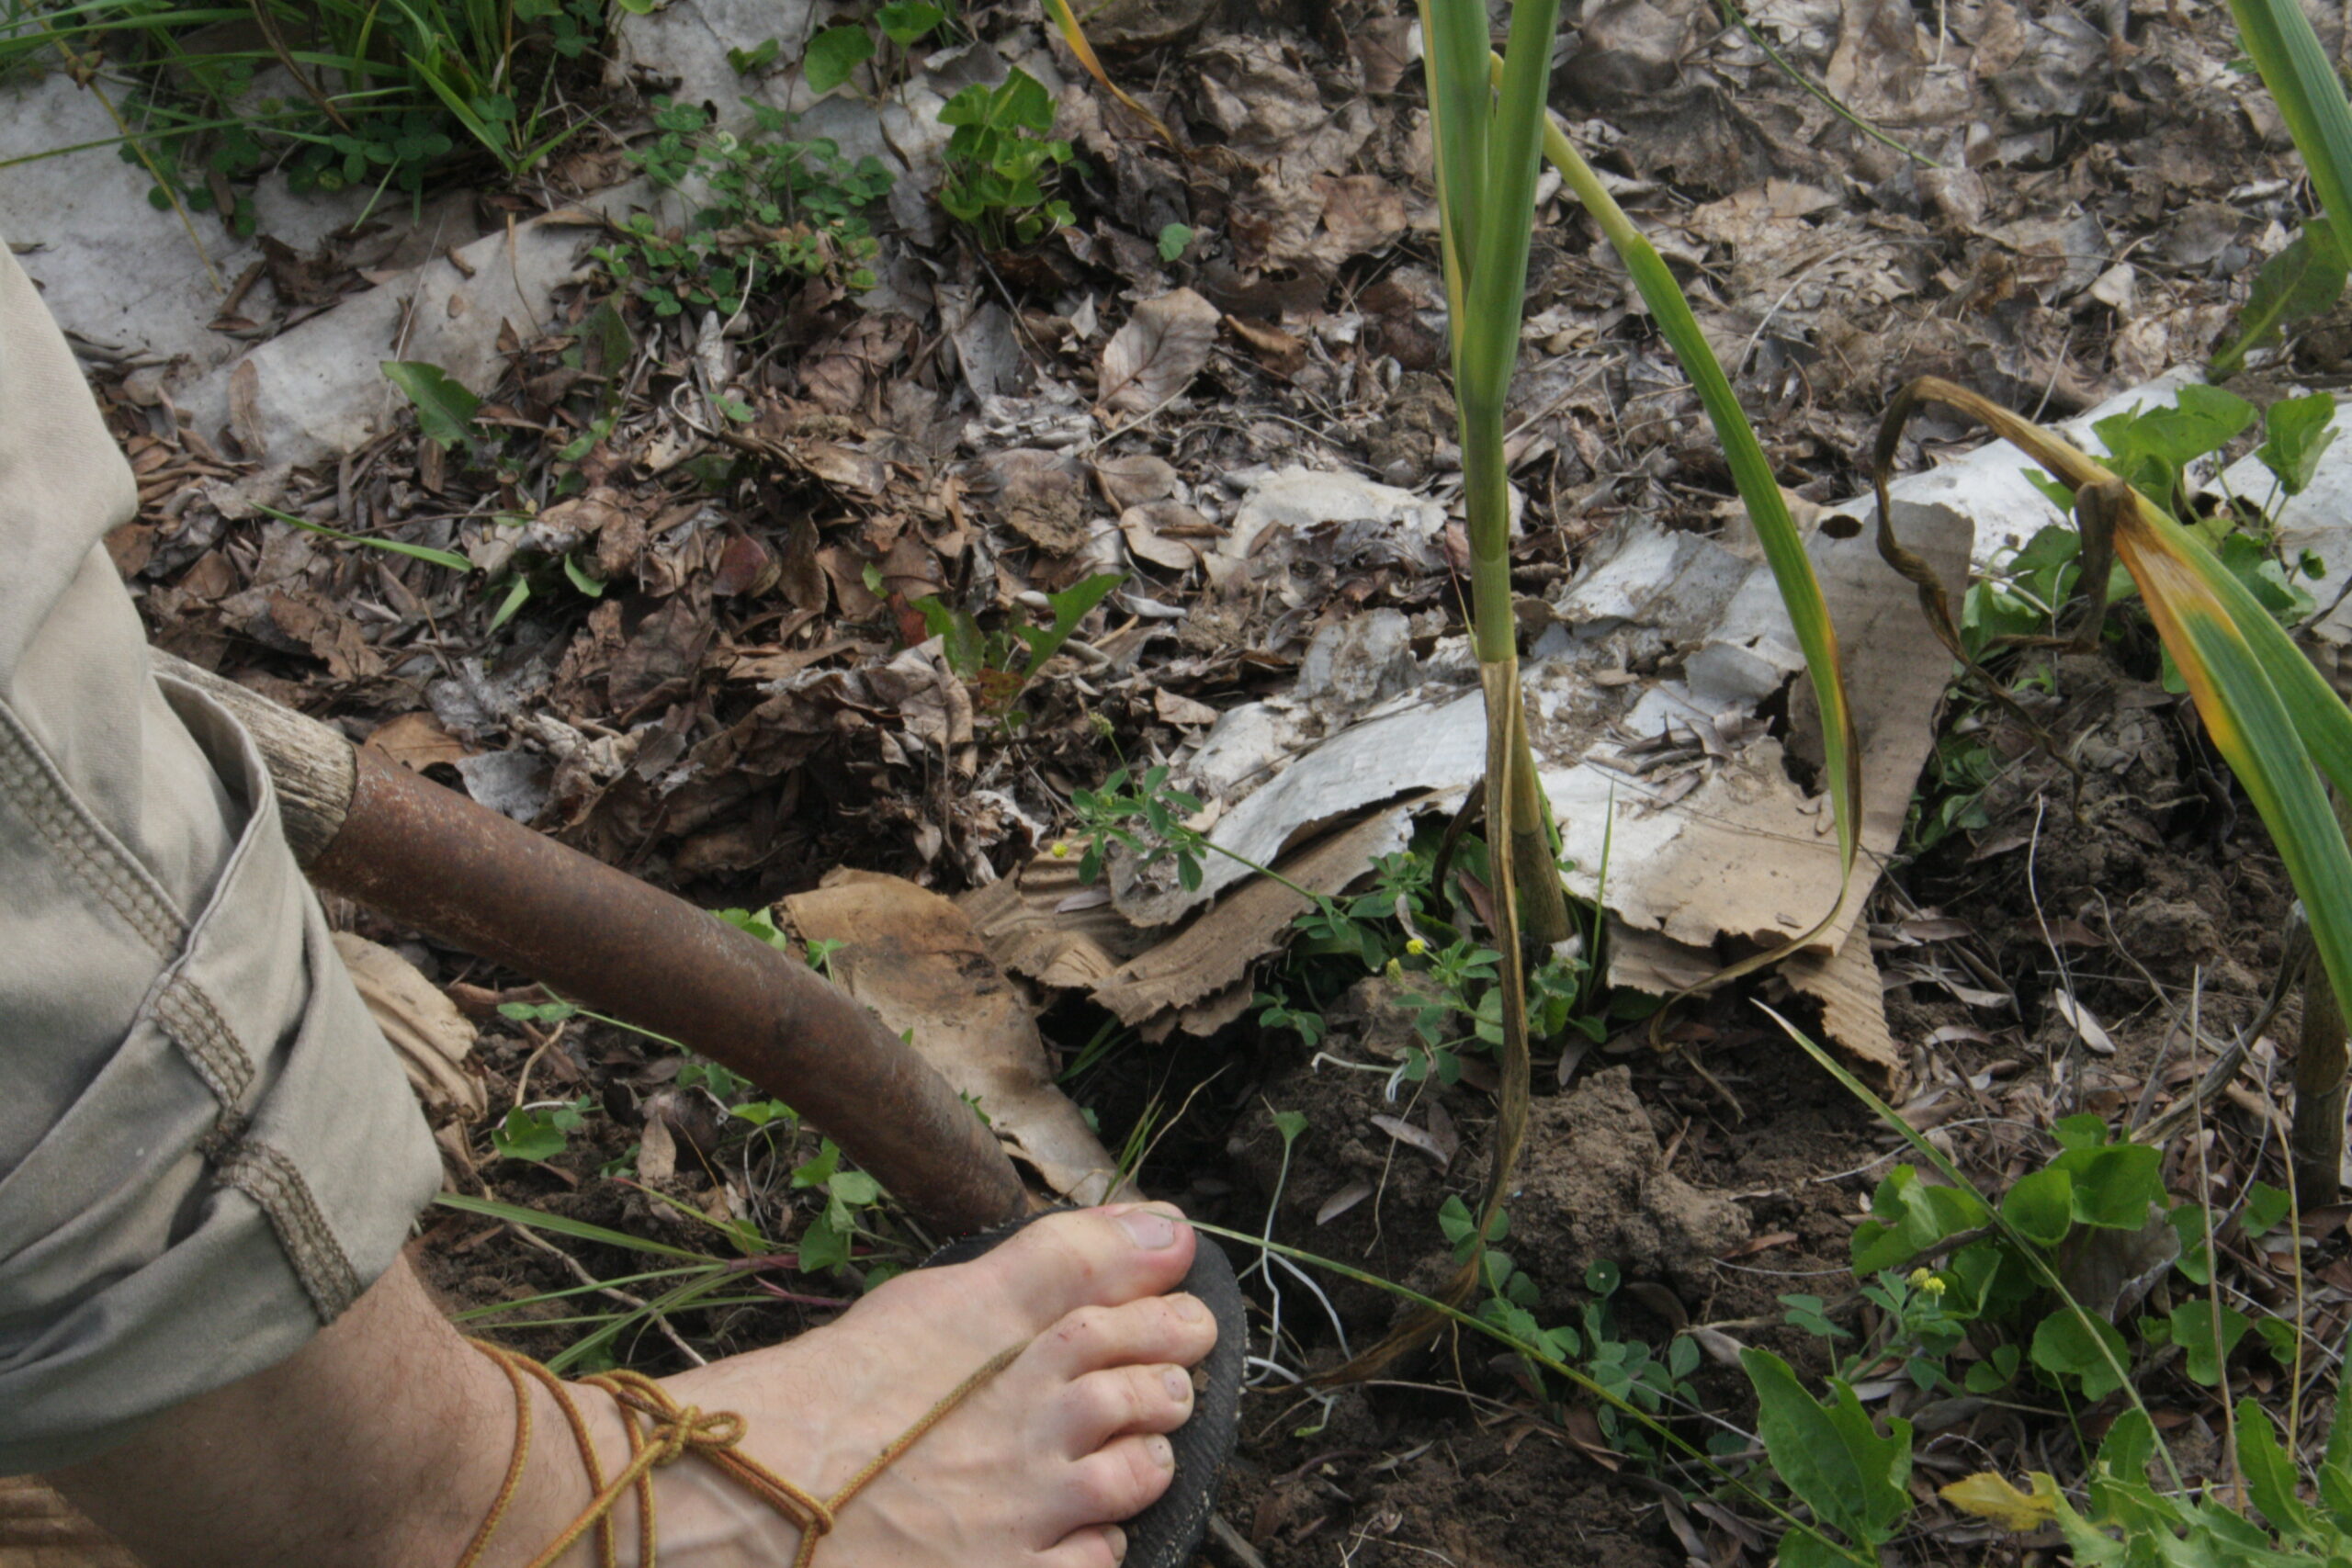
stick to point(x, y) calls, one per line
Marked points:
point(207, 1150)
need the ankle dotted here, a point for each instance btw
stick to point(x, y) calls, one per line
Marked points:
point(554, 1488)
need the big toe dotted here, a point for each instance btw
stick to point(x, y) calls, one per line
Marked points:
point(1105, 1256)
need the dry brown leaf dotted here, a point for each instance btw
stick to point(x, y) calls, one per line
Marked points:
point(2086, 1027)
point(1134, 481)
point(431, 1036)
point(1162, 533)
point(416, 740)
point(845, 468)
point(1340, 1203)
point(913, 957)
point(1361, 213)
point(1158, 353)
point(1177, 708)
point(657, 1151)
point(1040, 495)
point(1277, 350)
point(1404, 1132)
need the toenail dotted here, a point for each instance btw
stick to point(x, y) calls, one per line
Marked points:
point(1162, 1451)
point(1118, 1540)
point(1179, 1387)
point(1189, 1308)
point(1151, 1228)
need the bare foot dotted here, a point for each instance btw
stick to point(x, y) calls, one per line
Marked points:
point(1035, 1469)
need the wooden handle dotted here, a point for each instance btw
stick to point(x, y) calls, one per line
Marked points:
point(462, 874)
point(312, 765)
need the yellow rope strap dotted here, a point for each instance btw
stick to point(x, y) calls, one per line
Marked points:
point(670, 1431)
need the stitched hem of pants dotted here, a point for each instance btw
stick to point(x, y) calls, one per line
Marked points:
point(269, 1179)
point(29, 779)
point(204, 1037)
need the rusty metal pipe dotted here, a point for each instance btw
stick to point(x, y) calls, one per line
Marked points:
point(430, 858)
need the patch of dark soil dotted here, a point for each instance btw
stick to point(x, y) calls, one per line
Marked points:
point(2151, 878)
point(1396, 1479)
point(1709, 1219)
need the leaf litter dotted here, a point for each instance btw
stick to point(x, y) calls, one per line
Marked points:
point(693, 642)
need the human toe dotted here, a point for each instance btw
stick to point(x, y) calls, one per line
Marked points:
point(1104, 1257)
point(1122, 1402)
point(1119, 1480)
point(1157, 1328)
point(1097, 1546)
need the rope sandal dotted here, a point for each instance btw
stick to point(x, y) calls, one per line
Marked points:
point(1163, 1536)
point(670, 1431)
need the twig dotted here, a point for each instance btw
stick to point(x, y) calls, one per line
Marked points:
point(1232, 1545)
point(580, 1271)
point(2225, 1066)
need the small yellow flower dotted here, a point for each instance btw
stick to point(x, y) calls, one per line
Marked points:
point(1395, 970)
point(1415, 947)
point(1061, 851)
point(1924, 1279)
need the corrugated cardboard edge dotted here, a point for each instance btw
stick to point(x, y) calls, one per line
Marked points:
point(1853, 1007)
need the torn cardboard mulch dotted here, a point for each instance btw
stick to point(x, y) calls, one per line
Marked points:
point(1681, 808)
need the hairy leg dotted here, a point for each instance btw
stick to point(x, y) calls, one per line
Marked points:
point(383, 1441)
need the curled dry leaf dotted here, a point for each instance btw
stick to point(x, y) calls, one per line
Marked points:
point(1404, 1133)
point(1135, 481)
point(657, 1152)
point(1177, 708)
point(2078, 1018)
point(1158, 353)
point(428, 1033)
point(1149, 539)
point(417, 741)
point(1340, 1203)
point(746, 565)
point(914, 958)
point(1277, 349)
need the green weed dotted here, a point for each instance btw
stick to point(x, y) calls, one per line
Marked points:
point(1995, 1301)
point(2026, 599)
point(770, 210)
point(542, 1132)
point(1000, 664)
point(825, 1245)
point(1399, 927)
point(1003, 161)
point(1642, 1387)
point(2156, 450)
point(385, 95)
point(836, 54)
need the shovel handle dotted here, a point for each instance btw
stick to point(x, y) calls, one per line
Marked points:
point(429, 858)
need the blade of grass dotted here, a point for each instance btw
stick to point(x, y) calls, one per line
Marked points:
point(1488, 157)
point(1767, 510)
point(2248, 724)
point(87, 70)
point(495, 1309)
point(2302, 80)
point(1738, 18)
point(579, 1230)
point(1455, 67)
point(454, 561)
point(1066, 23)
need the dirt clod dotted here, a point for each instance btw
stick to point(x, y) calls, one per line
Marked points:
point(1595, 1187)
